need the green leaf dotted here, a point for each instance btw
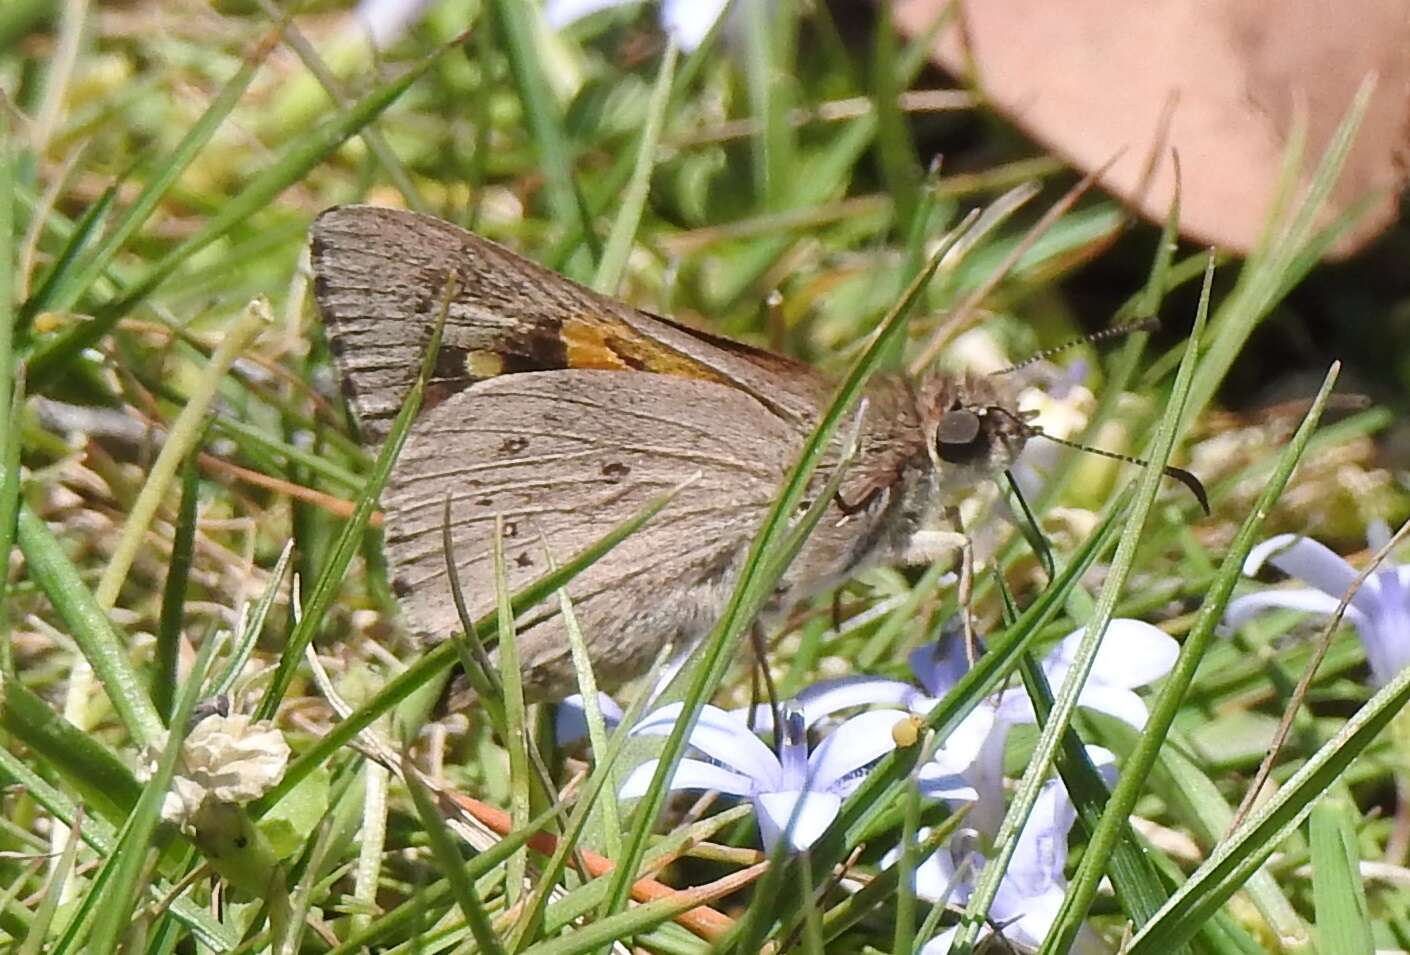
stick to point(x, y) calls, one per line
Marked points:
point(443, 846)
point(301, 156)
point(97, 637)
point(1343, 922)
point(1138, 765)
point(292, 818)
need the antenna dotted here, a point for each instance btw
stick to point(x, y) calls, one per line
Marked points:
point(1170, 471)
point(1179, 474)
point(1116, 331)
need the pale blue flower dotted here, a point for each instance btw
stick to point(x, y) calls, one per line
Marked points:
point(386, 21)
point(1380, 610)
point(794, 792)
point(570, 718)
point(969, 762)
point(1032, 889)
point(687, 22)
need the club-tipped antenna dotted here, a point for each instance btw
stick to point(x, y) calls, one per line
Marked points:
point(1116, 331)
point(1179, 474)
point(1195, 486)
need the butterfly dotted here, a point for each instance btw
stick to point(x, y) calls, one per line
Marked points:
point(562, 412)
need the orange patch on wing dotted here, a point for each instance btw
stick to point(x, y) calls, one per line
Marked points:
point(587, 346)
point(616, 346)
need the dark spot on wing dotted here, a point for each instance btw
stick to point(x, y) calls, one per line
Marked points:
point(400, 587)
point(511, 529)
point(483, 501)
point(513, 445)
point(450, 363)
point(615, 471)
point(524, 560)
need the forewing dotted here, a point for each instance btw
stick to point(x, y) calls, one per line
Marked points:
point(380, 276)
point(563, 457)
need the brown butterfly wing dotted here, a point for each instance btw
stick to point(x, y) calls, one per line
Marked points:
point(563, 457)
point(380, 276)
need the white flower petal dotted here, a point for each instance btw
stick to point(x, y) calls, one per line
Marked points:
point(1133, 653)
point(1041, 851)
point(720, 736)
point(1027, 919)
point(940, 944)
point(386, 20)
point(809, 812)
point(560, 13)
point(933, 878)
point(962, 746)
point(1014, 706)
point(1115, 701)
point(1242, 609)
point(829, 696)
point(1305, 559)
point(689, 774)
point(856, 743)
point(1104, 761)
point(826, 697)
point(935, 783)
point(1386, 632)
point(688, 22)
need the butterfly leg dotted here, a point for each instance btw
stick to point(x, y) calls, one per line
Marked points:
point(926, 547)
point(966, 592)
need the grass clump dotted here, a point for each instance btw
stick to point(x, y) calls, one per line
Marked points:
point(187, 515)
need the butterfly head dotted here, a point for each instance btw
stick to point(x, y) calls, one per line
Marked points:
point(972, 427)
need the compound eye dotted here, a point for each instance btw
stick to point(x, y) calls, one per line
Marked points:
point(957, 427)
point(958, 437)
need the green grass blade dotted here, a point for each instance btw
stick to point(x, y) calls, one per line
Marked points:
point(1266, 277)
point(895, 148)
point(444, 656)
point(97, 637)
point(636, 920)
point(293, 165)
point(330, 578)
point(39, 926)
point(447, 855)
point(753, 586)
point(185, 432)
point(1239, 856)
point(60, 272)
point(95, 832)
point(1343, 922)
point(64, 291)
point(164, 677)
point(119, 891)
point(633, 200)
point(515, 716)
point(1138, 764)
point(516, 25)
point(1139, 889)
point(10, 481)
point(9, 395)
point(103, 780)
point(1065, 702)
point(254, 625)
